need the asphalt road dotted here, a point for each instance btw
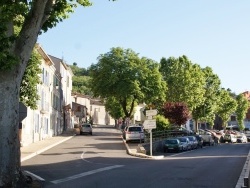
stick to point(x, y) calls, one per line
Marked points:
point(101, 161)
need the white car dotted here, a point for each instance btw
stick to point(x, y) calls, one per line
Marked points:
point(86, 128)
point(241, 138)
point(230, 138)
point(134, 132)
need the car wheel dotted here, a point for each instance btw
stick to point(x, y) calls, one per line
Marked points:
point(91, 133)
point(80, 133)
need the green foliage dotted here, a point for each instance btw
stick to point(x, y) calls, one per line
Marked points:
point(121, 74)
point(241, 110)
point(61, 10)
point(205, 112)
point(176, 113)
point(80, 80)
point(15, 16)
point(226, 106)
point(77, 71)
point(81, 85)
point(185, 81)
point(113, 107)
point(28, 90)
point(162, 123)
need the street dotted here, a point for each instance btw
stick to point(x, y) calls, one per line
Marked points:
point(101, 161)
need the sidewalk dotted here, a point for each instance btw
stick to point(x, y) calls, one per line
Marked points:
point(36, 148)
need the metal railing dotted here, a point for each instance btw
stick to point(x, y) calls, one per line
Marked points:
point(161, 135)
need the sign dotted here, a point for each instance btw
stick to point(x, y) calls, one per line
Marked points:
point(151, 112)
point(149, 124)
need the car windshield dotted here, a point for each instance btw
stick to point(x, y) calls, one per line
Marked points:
point(134, 129)
point(171, 141)
point(191, 138)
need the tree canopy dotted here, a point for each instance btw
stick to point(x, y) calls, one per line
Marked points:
point(206, 111)
point(241, 110)
point(177, 113)
point(226, 106)
point(126, 77)
point(185, 81)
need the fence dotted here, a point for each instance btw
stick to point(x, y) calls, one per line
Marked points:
point(161, 135)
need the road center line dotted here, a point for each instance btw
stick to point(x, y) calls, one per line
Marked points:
point(85, 174)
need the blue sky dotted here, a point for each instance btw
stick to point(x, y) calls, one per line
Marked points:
point(214, 33)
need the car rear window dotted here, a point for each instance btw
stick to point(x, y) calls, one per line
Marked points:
point(86, 125)
point(171, 141)
point(134, 129)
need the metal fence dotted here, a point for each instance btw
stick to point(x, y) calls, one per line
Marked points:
point(161, 135)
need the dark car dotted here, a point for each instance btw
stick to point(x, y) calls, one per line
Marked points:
point(200, 141)
point(172, 144)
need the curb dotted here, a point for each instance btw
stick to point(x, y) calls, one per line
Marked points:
point(141, 155)
point(44, 149)
point(244, 172)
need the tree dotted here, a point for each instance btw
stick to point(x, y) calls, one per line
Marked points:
point(226, 106)
point(185, 81)
point(206, 111)
point(21, 23)
point(80, 85)
point(161, 123)
point(241, 110)
point(28, 90)
point(121, 74)
point(113, 107)
point(177, 113)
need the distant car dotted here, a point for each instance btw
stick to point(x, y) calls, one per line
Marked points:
point(241, 138)
point(133, 132)
point(230, 138)
point(86, 128)
point(206, 136)
point(186, 145)
point(199, 140)
point(194, 142)
point(172, 144)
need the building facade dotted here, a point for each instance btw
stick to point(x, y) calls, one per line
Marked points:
point(53, 114)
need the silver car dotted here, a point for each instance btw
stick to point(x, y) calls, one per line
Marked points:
point(133, 132)
point(86, 128)
point(185, 143)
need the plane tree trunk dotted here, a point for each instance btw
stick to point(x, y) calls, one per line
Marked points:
point(10, 81)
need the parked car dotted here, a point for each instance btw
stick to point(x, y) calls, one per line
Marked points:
point(241, 138)
point(172, 144)
point(206, 136)
point(86, 128)
point(186, 144)
point(193, 141)
point(230, 138)
point(199, 140)
point(133, 132)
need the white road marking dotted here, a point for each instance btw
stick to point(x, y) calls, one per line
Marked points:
point(34, 175)
point(82, 157)
point(86, 174)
